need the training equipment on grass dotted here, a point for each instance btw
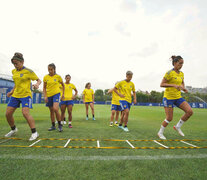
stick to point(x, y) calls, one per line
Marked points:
point(128, 142)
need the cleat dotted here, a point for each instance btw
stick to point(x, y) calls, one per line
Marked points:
point(111, 125)
point(86, 118)
point(116, 124)
point(178, 130)
point(126, 129)
point(60, 128)
point(94, 118)
point(120, 127)
point(161, 136)
point(11, 133)
point(34, 136)
point(52, 128)
point(70, 126)
point(64, 122)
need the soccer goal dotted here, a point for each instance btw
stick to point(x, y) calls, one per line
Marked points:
point(108, 102)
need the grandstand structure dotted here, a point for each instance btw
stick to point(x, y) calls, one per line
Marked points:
point(6, 84)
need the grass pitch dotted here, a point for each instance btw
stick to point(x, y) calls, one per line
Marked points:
point(144, 123)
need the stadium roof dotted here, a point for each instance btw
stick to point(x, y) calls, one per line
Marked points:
point(6, 77)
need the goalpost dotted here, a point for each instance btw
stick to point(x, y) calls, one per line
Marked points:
point(107, 102)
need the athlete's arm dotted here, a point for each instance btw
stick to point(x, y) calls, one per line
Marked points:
point(9, 94)
point(110, 91)
point(135, 97)
point(165, 84)
point(44, 91)
point(83, 98)
point(36, 86)
point(76, 92)
point(183, 87)
point(115, 90)
point(93, 97)
point(63, 89)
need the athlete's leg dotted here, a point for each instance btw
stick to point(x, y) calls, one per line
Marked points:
point(9, 115)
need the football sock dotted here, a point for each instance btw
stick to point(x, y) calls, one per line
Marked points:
point(180, 123)
point(59, 122)
point(13, 128)
point(162, 128)
point(53, 123)
point(125, 126)
point(33, 130)
point(120, 124)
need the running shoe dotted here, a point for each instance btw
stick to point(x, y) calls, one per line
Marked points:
point(161, 136)
point(34, 136)
point(11, 133)
point(70, 126)
point(94, 118)
point(60, 128)
point(87, 118)
point(111, 125)
point(120, 127)
point(52, 128)
point(126, 129)
point(178, 130)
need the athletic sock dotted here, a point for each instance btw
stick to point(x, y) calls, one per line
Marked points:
point(33, 130)
point(125, 126)
point(59, 122)
point(162, 128)
point(64, 118)
point(87, 115)
point(13, 128)
point(93, 115)
point(69, 122)
point(180, 123)
point(120, 124)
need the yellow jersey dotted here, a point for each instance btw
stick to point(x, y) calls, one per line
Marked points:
point(115, 98)
point(126, 88)
point(53, 84)
point(22, 80)
point(173, 78)
point(88, 95)
point(69, 91)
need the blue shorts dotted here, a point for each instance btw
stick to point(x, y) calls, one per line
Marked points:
point(53, 99)
point(88, 102)
point(15, 102)
point(173, 102)
point(125, 105)
point(70, 102)
point(115, 107)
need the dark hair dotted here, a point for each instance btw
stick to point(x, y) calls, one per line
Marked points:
point(175, 59)
point(87, 84)
point(52, 65)
point(67, 75)
point(17, 56)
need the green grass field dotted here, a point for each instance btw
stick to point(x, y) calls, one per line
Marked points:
point(64, 163)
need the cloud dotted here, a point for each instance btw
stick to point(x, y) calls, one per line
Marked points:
point(147, 51)
point(130, 5)
point(122, 28)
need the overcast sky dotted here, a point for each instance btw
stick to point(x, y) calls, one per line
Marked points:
point(97, 41)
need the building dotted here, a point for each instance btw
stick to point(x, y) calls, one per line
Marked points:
point(196, 90)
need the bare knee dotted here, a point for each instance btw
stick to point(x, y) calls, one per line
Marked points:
point(189, 112)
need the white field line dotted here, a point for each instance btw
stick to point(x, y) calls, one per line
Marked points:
point(130, 144)
point(98, 144)
point(66, 144)
point(35, 143)
point(188, 144)
point(161, 144)
point(100, 158)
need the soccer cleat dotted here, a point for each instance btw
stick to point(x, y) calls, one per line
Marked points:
point(178, 130)
point(11, 133)
point(70, 126)
point(120, 127)
point(126, 129)
point(111, 125)
point(52, 128)
point(60, 128)
point(34, 136)
point(64, 122)
point(87, 118)
point(161, 136)
point(94, 118)
point(116, 124)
